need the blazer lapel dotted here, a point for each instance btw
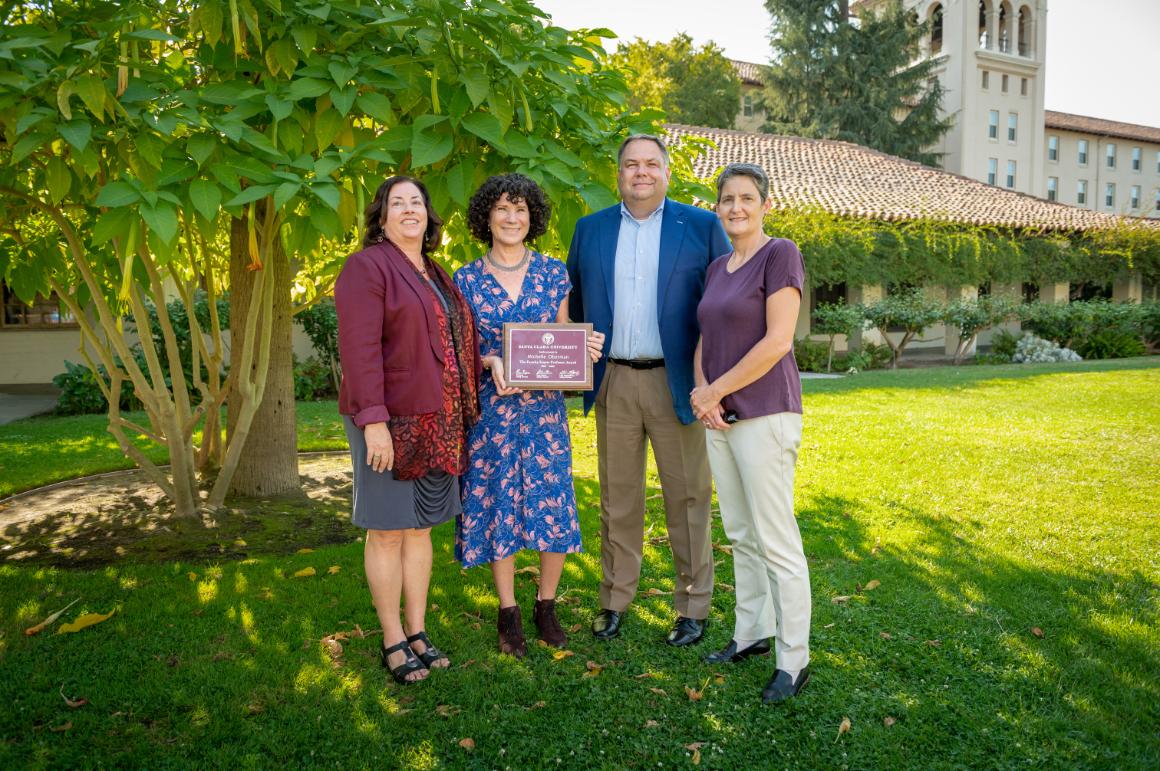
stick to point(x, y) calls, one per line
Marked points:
point(608, 236)
point(672, 236)
point(396, 261)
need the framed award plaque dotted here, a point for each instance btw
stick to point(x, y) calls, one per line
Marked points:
point(547, 356)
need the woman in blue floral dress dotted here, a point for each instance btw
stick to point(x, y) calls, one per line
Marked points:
point(517, 490)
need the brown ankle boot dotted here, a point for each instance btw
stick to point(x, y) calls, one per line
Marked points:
point(511, 632)
point(544, 614)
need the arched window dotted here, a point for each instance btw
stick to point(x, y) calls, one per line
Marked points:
point(936, 28)
point(1005, 28)
point(984, 18)
point(1024, 31)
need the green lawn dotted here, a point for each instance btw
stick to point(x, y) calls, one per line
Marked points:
point(987, 501)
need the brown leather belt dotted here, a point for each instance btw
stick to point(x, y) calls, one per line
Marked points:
point(638, 363)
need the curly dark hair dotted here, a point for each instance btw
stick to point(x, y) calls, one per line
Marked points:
point(376, 213)
point(518, 188)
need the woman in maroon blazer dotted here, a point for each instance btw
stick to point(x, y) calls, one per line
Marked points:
point(410, 375)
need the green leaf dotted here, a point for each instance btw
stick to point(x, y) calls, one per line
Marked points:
point(459, 183)
point(210, 18)
point(162, 220)
point(326, 165)
point(306, 37)
point(76, 132)
point(200, 147)
point(251, 194)
point(117, 193)
point(112, 224)
point(284, 193)
point(375, 105)
point(151, 34)
point(282, 55)
point(326, 221)
point(92, 91)
point(58, 177)
point(307, 88)
point(327, 193)
point(501, 108)
point(279, 108)
point(206, 197)
point(485, 126)
point(28, 144)
point(521, 146)
point(327, 124)
point(63, 92)
point(428, 145)
point(477, 84)
point(343, 99)
point(174, 170)
point(342, 72)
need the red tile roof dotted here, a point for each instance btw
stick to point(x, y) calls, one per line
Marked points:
point(749, 72)
point(1106, 128)
point(855, 181)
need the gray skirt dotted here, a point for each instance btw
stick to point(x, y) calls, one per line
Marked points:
point(382, 502)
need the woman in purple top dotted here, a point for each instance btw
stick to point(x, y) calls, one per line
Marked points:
point(749, 397)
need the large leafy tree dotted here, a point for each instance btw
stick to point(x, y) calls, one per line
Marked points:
point(697, 86)
point(861, 79)
point(151, 149)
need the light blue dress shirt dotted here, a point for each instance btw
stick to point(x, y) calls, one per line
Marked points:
point(635, 334)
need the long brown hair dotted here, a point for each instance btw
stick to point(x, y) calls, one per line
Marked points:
point(378, 207)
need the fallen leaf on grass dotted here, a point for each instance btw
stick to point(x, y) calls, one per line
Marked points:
point(305, 550)
point(840, 599)
point(467, 744)
point(655, 592)
point(446, 710)
point(333, 648)
point(934, 643)
point(871, 585)
point(725, 587)
point(50, 620)
point(593, 669)
point(884, 635)
point(305, 573)
point(61, 728)
point(192, 575)
point(575, 628)
point(651, 724)
point(530, 570)
point(694, 695)
point(563, 654)
point(539, 705)
point(72, 703)
point(695, 748)
point(719, 678)
point(644, 675)
point(830, 625)
point(333, 569)
point(842, 729)
point(723, 548)
point(476, 626)
point(85, 621)
point(659, 692)
point(888, 721)
point(1037, 632)
point(240, 542)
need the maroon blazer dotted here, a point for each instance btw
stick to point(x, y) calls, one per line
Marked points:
point(388, 337)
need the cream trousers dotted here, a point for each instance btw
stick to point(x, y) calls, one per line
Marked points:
point(753, 464)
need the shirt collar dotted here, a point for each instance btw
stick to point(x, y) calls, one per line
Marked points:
point(624, 212)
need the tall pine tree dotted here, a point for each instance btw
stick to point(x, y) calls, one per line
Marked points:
point(861, 80)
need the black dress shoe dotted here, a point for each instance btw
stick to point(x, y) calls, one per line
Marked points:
point(730, 654)
point(687, 631)
point(606, 625)
point(780, 687)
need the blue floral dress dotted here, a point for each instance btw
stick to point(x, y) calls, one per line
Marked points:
point(517, 490)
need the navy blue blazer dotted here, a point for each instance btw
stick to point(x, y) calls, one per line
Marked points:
point(691, 238)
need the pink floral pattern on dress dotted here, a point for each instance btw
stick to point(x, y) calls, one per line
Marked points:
point(517, 490)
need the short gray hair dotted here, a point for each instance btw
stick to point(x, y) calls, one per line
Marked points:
point(648, 138)
point(750, 170)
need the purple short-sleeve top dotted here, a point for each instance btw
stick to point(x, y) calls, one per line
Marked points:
point(732, 319)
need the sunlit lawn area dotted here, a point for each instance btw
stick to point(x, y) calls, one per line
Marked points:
point(1009, 515)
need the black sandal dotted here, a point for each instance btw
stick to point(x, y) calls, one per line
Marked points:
point(430, 653)
point(409, 666)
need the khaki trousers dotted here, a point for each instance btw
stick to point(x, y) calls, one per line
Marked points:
point(753, 465)
point(633, 406)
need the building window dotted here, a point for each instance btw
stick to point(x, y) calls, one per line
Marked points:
point(1012, 126)
point(1083, 148)
point(1053, 148)
point(747, 106)
point(993, 124)
point(1110, 195)
point(936, 29)
point(1135, 159)
point(43, 313)
point(986, 79)
point(1052, 188)
point(1022, 86)
point(1010, 173)
point(1158, 161)
point(1111, 155)
point(992, 170)
point(826, 293)
point(1134, 197)
point(1158, 199)
point(1004, 87)
point(1081, 192)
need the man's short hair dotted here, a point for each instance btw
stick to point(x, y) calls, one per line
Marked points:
point(648, 138)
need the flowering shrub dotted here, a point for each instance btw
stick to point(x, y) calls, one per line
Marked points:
point(1035, 350)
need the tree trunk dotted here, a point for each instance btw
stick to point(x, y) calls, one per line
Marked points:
point(269, 460)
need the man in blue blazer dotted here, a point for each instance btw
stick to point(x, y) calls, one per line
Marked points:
point(638, 271)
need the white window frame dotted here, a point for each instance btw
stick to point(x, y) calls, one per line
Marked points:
point(1110, 195)
point(1012, 127)
point(1081, 193)
point(1053, 148)
point(1053, 188)
point(992, 171)
point(1081, 152)
point(1134, 197)
point(1137, 159)
point(993, 125)
point(1011, 169)
point(1110, 155)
